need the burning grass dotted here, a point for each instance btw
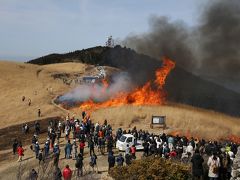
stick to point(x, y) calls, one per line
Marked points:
point(152, 93)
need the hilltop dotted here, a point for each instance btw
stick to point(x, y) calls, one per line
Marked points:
point(182, 86)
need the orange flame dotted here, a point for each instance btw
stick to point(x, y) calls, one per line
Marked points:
point(234, 138)
point(145, 95)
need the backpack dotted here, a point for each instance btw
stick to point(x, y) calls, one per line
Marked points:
point(215, 168)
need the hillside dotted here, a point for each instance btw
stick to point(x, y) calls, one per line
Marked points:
point(182, 86)
point(38, 83)
point(34, 82)
point(31, 81)
point(179, 119)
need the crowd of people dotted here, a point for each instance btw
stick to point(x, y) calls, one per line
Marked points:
point(80, 134)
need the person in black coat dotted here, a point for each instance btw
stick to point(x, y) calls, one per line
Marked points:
point(79, 164)
point(111, 160)
point(14, 146)
point(197, 165)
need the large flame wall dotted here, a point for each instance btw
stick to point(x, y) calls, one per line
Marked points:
point(152, 93)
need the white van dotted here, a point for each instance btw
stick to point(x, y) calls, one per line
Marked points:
point(130, 140)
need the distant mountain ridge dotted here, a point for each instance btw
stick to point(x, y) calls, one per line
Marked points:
point(181, 86)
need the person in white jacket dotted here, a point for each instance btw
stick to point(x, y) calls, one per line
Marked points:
point(189, 149)
point(214, 165)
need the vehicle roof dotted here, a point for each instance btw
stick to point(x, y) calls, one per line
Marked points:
point(128, 135)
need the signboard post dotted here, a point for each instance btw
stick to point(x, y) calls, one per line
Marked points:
point(159, 121)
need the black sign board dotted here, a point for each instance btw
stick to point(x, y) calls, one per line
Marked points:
point(158, 120)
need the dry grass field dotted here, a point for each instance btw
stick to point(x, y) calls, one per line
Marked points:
point(179, 118)
point(35, 82)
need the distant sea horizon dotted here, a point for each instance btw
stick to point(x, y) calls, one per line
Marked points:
point(16, 58)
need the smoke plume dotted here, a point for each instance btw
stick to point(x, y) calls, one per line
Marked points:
point(220, 38)
point(210, 48)
point(121, 82)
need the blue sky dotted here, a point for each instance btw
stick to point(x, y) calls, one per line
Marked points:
point(33, 28)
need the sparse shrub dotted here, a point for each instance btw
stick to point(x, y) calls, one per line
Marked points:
point(152, 168)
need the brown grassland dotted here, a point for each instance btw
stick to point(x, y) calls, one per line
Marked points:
point(33, 81)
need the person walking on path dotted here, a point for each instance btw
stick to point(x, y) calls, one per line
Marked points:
point(93, 162)
point(46, 148)
point(29, 102)
point(79, 165)
point(82, 145)
point(14, 146)
point(20, 151)
point(39, 112)
point(91, 146)
point(68, 149)
point(37, 149)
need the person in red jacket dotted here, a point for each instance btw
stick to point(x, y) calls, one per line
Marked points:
point(67, 173)
point(173, 154)
point(20, 151)
point(133, 151)
point(100, 133)
point(82, 145)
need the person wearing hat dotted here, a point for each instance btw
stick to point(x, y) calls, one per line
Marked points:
point(46, 148)
point(56, 150)
point(37, 148)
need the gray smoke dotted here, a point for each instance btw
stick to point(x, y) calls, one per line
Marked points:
point(165, 38)
point(210, 48)
point(121, 82)
point(220, 38)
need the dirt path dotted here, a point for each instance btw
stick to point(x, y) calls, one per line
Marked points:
point(10, 168)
